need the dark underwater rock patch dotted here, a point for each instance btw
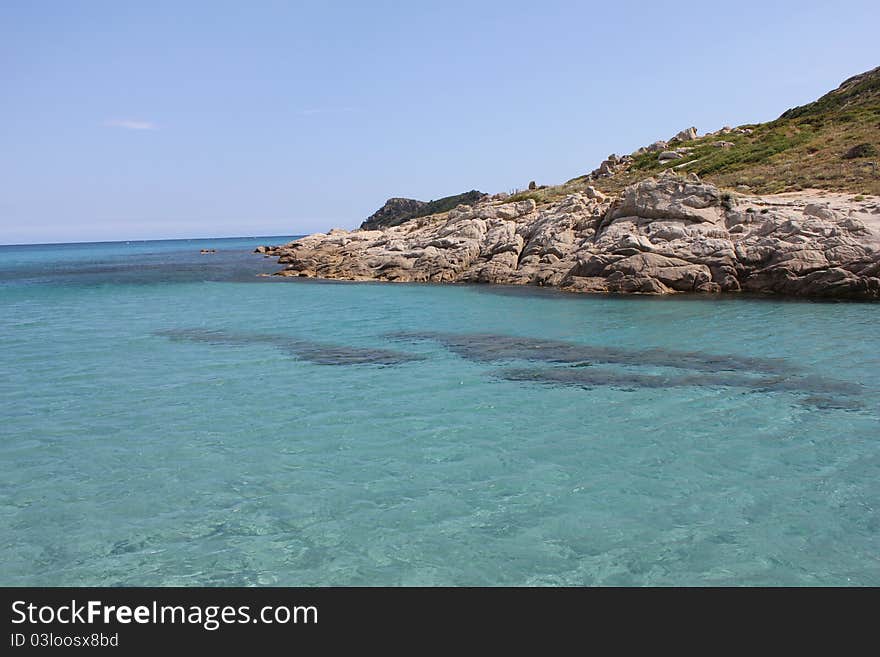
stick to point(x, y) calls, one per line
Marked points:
point(821, 392)
point(585, 366)
point(313, 352)
point(490, 348)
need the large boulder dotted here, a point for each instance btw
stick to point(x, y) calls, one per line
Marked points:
point(670, 197)
point(688, 134)
point(676, 274)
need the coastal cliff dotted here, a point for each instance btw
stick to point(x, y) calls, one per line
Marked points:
point(662, 235)
point(788, 207)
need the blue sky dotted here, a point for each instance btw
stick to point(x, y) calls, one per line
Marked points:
point(134, 120)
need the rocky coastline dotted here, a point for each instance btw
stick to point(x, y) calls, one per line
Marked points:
point(666, 234)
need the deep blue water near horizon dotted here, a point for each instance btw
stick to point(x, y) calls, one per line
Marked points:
point(171, 418)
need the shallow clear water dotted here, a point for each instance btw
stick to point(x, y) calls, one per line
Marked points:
point(168, 418)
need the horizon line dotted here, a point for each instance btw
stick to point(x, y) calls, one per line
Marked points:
point(153, 239)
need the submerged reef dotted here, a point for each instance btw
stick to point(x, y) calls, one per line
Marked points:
point(587, 367)
point(318, 353)
point(563, 363)
point(489, 347)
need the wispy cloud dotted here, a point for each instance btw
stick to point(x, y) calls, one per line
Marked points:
point(131, 124)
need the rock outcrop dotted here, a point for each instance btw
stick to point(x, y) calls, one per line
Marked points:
point(688, 134)
point(610, 166)
point(669, 234)
point(395, 211)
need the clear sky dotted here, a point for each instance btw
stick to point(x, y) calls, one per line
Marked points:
point(133, 120)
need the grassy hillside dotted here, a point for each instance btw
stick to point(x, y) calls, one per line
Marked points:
point(832, 143)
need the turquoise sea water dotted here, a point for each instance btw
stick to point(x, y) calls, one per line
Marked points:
point(168, 418)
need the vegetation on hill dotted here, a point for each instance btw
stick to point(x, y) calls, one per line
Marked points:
point(446, 203)
point(397, 210)
point(831, 143)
